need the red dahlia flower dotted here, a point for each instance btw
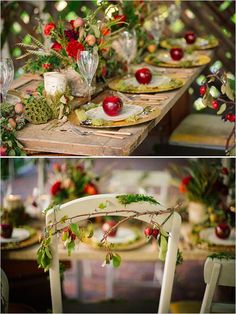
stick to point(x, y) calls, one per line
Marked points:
point(186, 180)
point(48, 28)
point(56, 187)
point(73, 47)
point(71, 34)
point(57, 47)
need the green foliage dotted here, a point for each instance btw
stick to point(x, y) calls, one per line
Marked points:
point(44, 254)
point(222, 255)
point(36, 109)
point(134, 198)
point(8, 132)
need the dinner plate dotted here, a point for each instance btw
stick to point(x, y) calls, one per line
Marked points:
point(201, 43)
point(159, 83)
point(126, 112)
point(163, 59)
point(209, 235)
point(127, 238)
point(18, 235)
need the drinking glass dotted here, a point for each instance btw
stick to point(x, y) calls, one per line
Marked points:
point(174, 12)
point(127, 46)
point(156, 28)
point(87, 63)
point(6, 76)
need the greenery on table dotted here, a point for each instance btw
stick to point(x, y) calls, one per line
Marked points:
point(222, 255)
point(135, 198)
point(11, 120)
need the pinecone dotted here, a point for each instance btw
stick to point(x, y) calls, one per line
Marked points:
point(37, 110)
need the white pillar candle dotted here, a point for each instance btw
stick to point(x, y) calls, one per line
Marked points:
point(54, 83)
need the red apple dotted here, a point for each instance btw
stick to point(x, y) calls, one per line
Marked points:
point(222, 230)
point(112, 105)
point(176, 54)
point(190, 37)
point(107, 226)
point(143, 76)
point(6, 230)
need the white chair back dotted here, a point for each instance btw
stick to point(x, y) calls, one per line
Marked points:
point(89, 205)
point(217, 272)
point(4, 292)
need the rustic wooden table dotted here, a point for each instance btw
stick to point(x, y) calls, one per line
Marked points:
point(40, 139)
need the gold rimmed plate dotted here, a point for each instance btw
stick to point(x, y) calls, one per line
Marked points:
point(163, 59)
point(159, 83)
point(92, 116)
point(201, 43)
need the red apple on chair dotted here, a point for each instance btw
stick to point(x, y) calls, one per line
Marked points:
point(107, 226)
point(176, 54)
point(112, 105)
point(6, 230)
point(190, 37)
point(222, 230)
point(143, 76)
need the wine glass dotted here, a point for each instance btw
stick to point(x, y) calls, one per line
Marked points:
point(87, 63)
point(127, 46)
point(156, 28)
point(6, 76)
point(174, 13)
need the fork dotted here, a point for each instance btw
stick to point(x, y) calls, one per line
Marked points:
point(84, 133)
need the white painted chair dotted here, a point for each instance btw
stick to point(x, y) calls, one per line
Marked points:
point(217, 272)
point(90, 204)
point(4, 292)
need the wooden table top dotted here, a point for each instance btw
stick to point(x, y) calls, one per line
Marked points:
point(62, 141)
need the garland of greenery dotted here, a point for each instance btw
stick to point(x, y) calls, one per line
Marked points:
point(73, 232)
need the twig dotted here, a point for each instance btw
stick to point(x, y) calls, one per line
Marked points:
point(228, 139)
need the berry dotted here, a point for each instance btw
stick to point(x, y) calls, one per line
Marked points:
point(215, 105)
point(230, 117)
point(202, 90)
point(107, 226)
point(155, 232)
point(90, 189)
point(46, 66)
point(19, 107)
point(148, 232)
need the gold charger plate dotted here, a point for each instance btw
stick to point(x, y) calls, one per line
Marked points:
point(125, 246)
point(200, 60)
point(152, 113)
point(33, 239)
point(120, 85)
point(180, 42)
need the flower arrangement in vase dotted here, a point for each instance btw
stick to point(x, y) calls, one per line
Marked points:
point(72, 180)
point(206, 186)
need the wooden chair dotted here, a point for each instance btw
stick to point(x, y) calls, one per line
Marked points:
point(217, 272)
point(201, 131)
point(90, 204)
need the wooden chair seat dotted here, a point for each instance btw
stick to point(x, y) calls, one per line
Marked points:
point(201, 130)
point(185, 307)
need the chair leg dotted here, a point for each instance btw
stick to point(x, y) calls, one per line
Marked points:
point(210, 289)
point(79, 277)
point(109, 281)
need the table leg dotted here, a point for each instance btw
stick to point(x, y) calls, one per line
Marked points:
point(110, 273)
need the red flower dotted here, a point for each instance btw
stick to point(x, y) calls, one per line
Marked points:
point(104, 71)
point(186, 180)
point(46, 66)
point(73, 47)
point(3, 151)
point(57, 47)
point(71, 34)
point(48, 28)
point(56, 167)
point(105, 31)
point(182, 187)
point(225, 171)
point(55, 188)
point(90, 189)
point(121, 18)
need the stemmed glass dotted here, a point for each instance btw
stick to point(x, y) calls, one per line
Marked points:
point(127, 46)
point(87, 63)
point(174, 13)
point(156, 28)
point(6, 76)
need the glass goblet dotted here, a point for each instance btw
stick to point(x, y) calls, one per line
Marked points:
point(127, 46)
point(87, 63)
point(6, 76)
point(156, 28)
point(174, 13)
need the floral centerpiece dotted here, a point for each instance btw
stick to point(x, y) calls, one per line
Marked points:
point(217, 92)
point(72, 180)
point(206, 185)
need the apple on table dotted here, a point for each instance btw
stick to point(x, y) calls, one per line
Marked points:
point(112, 105)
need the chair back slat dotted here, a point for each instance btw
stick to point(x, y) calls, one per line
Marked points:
point(227, 272)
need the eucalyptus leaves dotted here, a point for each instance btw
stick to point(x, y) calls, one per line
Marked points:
point(72, 233)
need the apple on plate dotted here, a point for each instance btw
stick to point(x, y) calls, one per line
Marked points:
point(107, 226)
point(176, 54)
point(222, 230)
point(190, 38)
point(6, 230)
point(112, 105)
point(143, 76)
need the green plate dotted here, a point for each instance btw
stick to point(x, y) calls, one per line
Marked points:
point(202, 43)
point(130, 85)
point(195, 59)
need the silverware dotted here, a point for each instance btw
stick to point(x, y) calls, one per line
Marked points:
point(99, 133)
